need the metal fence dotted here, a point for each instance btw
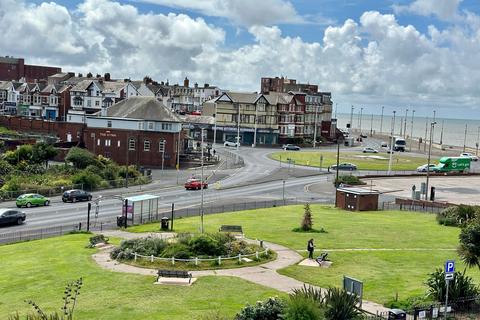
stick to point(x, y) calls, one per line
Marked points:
point(230, 160)
point(410, 207)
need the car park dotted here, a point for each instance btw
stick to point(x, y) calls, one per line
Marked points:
point(344, 166)
point(32, 199)
point(423, 168)
point(229, 143)
point(75, 195)
point(291, 147)
point(369, 150)
point(11, 216)
point(469, 155)
point(195, 184)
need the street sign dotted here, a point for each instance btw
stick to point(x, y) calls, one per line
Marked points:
point(450, 266)
point(448, 276)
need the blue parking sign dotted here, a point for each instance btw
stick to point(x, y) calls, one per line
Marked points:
point(450, 266)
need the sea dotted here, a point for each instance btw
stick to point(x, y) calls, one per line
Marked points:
point(449, 132)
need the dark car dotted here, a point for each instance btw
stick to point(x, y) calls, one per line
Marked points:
point(11, 216)
point(291, 147)
point(344, 166)
point(76, 195)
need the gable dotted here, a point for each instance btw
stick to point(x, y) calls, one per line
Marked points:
point(224, 98)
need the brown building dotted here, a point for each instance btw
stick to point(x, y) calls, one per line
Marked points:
point(356, 199)
point(16, 69)
point(285, 85)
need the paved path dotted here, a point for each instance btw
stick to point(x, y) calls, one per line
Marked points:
point(265, 274)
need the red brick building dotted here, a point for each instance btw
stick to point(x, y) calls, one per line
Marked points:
point(285, 85)
point(15, 69)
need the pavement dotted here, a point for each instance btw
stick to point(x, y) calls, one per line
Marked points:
point(265, 274)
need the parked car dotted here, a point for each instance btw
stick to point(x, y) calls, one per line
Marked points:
point(383, 144)
point(229, 143)
point(363, 135)
point(75, 195)
point(32, 199)
point(195, 184)
point(291, 147)
point(423, 168)
point(344, 166)
point(11, 216)
point(469, 155)
point(369, 150)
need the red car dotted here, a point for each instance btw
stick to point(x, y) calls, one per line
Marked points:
point(195, 184)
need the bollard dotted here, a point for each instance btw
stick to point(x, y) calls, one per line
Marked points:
point(173, 261)
point(219, 260)
point(239, 257)
point(135, 256)
point(196, 261)
point(151, 258)
point(256, 254)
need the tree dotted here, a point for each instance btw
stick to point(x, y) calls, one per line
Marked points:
point(107, 76)
point(80, 158)
point(42, 152)
point(469, 247)
point(307, 221)
point(89, 75)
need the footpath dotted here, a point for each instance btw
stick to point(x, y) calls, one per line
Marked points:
point(265, 274)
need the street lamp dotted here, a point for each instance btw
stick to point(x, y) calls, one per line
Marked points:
point(201, 182)
point(432, 127)
point(255, 129)
point(411, 129)
point(360, 120)
point(405, 128)
point(391, 144)
point(238, 127)
point(315, 126)
point(381, 120)
point(351, 119)
point(441, 134)
point(283, 192)
point(215, 126)
point(371, 125)
point(478, 138)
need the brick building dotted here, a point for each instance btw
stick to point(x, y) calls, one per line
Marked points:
point(285, 85)
point(16, 69)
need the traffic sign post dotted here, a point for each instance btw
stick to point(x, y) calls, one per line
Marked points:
point(449, 273)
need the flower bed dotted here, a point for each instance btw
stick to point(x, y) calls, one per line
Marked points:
point(191, 252)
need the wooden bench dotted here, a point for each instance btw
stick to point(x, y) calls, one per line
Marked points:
point(231, 229)
point(174, 274)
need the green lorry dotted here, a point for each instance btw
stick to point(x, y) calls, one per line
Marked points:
point(453, 164)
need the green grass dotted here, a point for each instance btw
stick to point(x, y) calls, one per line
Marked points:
point(384, 273)
point(4, 130)
point(39, 270)
point(364, 161)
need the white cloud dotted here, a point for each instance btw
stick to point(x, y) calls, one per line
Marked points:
point(443, 9)
point(245, 12)
point(373, 59)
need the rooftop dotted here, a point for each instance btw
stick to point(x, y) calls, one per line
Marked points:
point(139, 107)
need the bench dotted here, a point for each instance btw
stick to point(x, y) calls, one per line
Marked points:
point(322, 258)
point(231, 229)
point(174, 274)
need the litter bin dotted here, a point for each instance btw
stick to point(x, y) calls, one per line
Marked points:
point(148, 172)
point(432, 194)
point(397, 314)
point(120, 221)
point(164, 223)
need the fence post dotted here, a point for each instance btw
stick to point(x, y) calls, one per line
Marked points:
point(135, 256)
point(239, 257)
point(256, 254)
point(196, 261)
point(219, 260)
point(173, 261)
point(151, 258)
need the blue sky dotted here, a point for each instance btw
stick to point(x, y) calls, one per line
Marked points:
point(366, 52)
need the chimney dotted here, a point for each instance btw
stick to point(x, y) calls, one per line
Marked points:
point(196, 85)
point(186, 82)
point(206, 85)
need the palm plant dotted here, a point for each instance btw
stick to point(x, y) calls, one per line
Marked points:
point(469, 247)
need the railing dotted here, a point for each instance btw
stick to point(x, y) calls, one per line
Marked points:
point(196, 260)
point(230, 160)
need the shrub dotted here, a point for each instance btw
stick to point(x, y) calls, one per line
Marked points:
point(339, 305)
point(270, 309)
point(5, 168)
point(96, 239)
point(348, 179)
point(34, 169)
point(205, 245)
point(94, 169)
point(89, 180)
point(458, 215)
point(461, 286)
point(110, 172)
point(302, 308)
point(132, 172)
point(80, 158)
point(307, 221)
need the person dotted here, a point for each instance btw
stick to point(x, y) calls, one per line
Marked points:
point(310, 248)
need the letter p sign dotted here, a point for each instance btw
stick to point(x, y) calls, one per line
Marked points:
point(450, 266)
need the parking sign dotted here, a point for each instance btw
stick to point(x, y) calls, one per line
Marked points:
point(450, 266)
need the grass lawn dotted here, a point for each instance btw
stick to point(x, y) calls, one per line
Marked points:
point(364, 161)
point(39, 270)
point(384, 272)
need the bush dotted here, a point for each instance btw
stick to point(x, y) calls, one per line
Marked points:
point(458, 215)
point(205, 245)
point(270, 309)
point(307, 221)
point(96, 239)
point(460, 287)
point(339, 305)
point(132, 172)
point(80, 158)
point(5, 168)
point(90, 181)
point(348, 179)
point(302, 308)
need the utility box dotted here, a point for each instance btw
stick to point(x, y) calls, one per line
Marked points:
point(357, 199)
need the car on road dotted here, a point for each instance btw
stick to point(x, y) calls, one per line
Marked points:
point(195, 184)
point(363, 135)
point(469, 155)
point(75, 195)
point(12, 216)
point(369, 150)
point(423, 168)
point(230, 143)
point(291, 147)
point(383, 144)
point(344, 166)
point(32, 199)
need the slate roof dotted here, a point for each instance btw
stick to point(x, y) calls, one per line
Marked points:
point(139, 107)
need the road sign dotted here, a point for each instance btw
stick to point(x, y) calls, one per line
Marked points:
point(450, 266)
point(448, 276)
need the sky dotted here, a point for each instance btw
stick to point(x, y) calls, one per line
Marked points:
point(416, 54)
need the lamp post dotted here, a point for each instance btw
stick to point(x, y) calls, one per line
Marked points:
point(381, 120)
point(425, 141)
point(441, 134)
point(215, 126)
point(465, 138)
point(178, 155)
point(371, 125)
point(411, 129)
point(478, 138)
point(238, 127)
point(391, 144)
point(351, 119)
point(432, 126)
point(405, 127)
point(255, 128)
point(336, 108)
point(201, 183)
point(283, 191)
point(315, 127)
point(360, 120)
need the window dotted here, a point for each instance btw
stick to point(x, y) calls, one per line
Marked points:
point(108, 142)
point(167, 126)
point(161, 146)
point(146, 145)
point(131, 144)
point(150, 126)
point(98, 142)
point(118, 143)
point(97, 103)
point(89, 103)
point(109, 123)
